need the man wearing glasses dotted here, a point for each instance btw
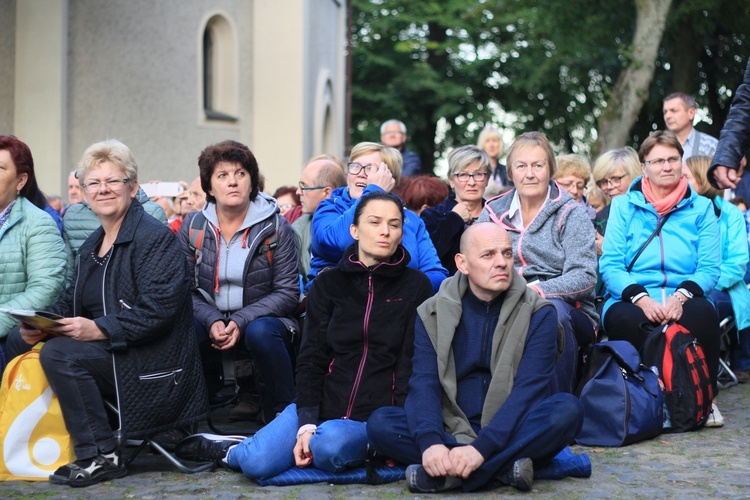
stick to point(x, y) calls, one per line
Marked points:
point(393, 134)
point(320, 176)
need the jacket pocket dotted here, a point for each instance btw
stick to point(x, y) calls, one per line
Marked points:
point(171, 374)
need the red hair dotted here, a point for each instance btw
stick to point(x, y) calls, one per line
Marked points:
point(21, 155)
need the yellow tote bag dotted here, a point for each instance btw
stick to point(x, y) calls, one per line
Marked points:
point(34, 439)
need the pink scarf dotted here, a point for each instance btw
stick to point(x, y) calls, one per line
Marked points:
point(668, 202)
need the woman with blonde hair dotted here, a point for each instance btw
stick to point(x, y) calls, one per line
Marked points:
point(372, 167)
point(730, 296)
point(573, 173)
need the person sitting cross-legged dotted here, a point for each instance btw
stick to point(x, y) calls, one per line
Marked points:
point(355, 356)
point(480, 407)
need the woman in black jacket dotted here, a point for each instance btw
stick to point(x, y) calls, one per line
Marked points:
point(127, 332)
point(355, 355)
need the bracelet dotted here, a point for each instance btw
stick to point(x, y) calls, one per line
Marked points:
point(682, 301)
point(311, 428)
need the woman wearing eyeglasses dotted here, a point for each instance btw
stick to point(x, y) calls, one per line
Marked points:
point(553, 244)
point(127, 331)
point(468, 173)
point(656, 280)
point(372, 167)
point(613, 173)
point(573, 173)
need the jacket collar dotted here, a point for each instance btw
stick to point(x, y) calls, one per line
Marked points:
point(350, 262)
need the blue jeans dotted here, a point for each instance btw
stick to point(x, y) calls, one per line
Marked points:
point(269, 343)
point(579, 332)
point(336, 445)
point(548, 428)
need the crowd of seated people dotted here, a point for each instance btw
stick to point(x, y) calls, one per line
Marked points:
point(316, 294)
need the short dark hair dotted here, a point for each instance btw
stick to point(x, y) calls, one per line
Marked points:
point(231, 152)
point(290, 190)
point(663, 137)
point(686, 99)
point(24, 162)
point(377, 195)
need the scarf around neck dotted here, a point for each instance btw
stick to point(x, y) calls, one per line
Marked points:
point(668, 202)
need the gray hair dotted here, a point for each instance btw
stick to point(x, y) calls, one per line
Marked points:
point(391, 122)
point(110, 150)
point(462, 157)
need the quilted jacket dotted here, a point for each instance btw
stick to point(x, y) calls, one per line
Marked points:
point(270, 289)
point(32, 261)
point(149, 322)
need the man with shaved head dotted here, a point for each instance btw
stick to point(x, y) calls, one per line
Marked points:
point(480, 412)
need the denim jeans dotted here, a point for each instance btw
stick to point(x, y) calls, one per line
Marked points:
point(336, 445)
point(269, 343)
point(548, 428)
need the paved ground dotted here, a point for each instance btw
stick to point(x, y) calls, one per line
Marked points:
point(708, 463)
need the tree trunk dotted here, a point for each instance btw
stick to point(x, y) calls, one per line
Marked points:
point(631, 89)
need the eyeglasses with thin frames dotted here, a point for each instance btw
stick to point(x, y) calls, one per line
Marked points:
point(111, 184)
point(658, 162)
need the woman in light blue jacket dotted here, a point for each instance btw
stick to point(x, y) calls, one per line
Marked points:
point(731, 295)
point(32, 253)
point(666, 278)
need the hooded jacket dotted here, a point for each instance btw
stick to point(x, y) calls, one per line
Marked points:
point(269, 288)
point(148, 321)
point(687, 251)
point(358, 340)
point(557, 248)
point(330, 236)
point(32, 261)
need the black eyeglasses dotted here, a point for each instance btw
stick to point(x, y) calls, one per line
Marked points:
point(477, 176)
point(612, 181)
point(302, 187)
point(356, 168)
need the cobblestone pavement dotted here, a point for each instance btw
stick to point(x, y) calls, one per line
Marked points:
point(708, 463)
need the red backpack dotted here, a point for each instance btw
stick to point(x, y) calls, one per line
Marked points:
point(683, 369)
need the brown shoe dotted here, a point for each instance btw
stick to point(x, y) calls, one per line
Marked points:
point(742, 376)
point(248, 402)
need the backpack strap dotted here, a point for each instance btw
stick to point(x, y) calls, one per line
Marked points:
point(197, 232)
point(270, 243)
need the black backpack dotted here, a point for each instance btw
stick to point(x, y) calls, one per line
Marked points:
point(684, 371)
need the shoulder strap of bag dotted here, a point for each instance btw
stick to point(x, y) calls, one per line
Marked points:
point(643, 247)
point(270, 243)
point(197, 231)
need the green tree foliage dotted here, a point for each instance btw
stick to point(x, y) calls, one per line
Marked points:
point(549, 63)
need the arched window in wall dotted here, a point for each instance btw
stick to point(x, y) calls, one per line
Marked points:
point(219, 70)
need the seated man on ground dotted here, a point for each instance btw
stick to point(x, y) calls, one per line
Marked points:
point(480, 407)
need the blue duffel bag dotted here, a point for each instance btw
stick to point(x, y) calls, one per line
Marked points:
point(621, 397)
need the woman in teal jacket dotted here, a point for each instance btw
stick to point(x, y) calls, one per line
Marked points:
point(731, 295)
point(670, 279)
point(32, 253)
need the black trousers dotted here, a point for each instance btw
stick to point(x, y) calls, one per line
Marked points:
point(626, 321)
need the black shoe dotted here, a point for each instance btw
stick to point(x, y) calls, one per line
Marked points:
point(171, 438)
point(248, 401)
point(421, 482)
point(91, 471)
point(206, 447)
point(520, 475)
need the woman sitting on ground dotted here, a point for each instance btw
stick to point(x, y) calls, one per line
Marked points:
point(468, 174)
point(127, 333)
point(652, 281)
point(731, 296)
point(373, 167)
point(355, 355)
point(553, 244)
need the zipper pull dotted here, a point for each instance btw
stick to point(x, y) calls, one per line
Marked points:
point(124, 305)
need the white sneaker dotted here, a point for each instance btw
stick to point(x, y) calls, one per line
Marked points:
point(715, 419)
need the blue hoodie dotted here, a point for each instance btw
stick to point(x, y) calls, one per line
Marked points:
point(331, 237)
